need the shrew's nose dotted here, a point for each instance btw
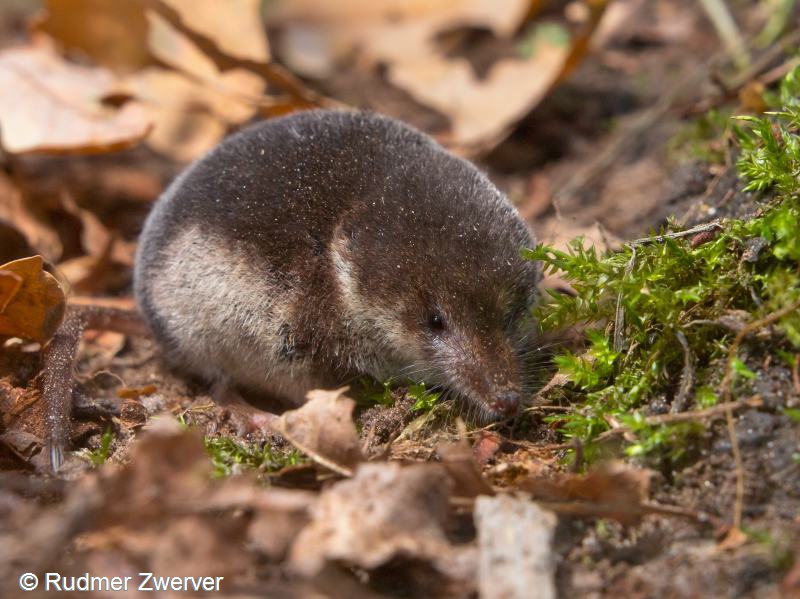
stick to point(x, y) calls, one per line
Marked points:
point(506, 402)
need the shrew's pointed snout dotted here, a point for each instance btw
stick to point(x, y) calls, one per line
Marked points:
point(506, 403)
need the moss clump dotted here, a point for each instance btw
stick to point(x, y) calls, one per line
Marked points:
point(682, 298)
point(233, 457)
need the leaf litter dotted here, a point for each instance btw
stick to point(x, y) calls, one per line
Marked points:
point(156, 504)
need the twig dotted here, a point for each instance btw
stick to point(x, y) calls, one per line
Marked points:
point(687, 376)
point(712, 226)
point(796, 374)
point(726, 391)
point(659, 419)
point(607, 509)
point(270, 71)
point(688, 83)
point(619, 316)
point(758, 66)
point(549, 408)
point(738, 506)
point(725, 387)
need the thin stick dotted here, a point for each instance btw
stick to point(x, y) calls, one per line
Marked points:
point(270, 71)
point(619, 317)
point(726, 391)
point(687, 376)
point(738, 506)
point(796, 373)
point(712, 412)
point(712, 226)
point(726, 385)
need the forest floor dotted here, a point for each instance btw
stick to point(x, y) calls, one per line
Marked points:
point(158, 480)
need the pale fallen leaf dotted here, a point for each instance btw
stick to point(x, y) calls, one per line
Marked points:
point(192, 103)
point(500, 16)
point(35, 310)
point(323, 428)
point(185, 124)
point(236, 28)
point(403, 36)
point(515, 548)
point(114, 33)
point(386, 510)
point(234, 25)
point(48, 105)
point(480, 109)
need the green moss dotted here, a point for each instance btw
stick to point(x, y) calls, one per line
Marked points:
point(230, 456)
point(672, 288)
point(99, 456)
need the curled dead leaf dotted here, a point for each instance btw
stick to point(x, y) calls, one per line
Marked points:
point(34, 308)
point(406, 38)
point(384, 511)
point(48, 105)
point(323, 428)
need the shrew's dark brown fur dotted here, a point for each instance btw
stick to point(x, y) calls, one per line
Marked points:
point(308, 249)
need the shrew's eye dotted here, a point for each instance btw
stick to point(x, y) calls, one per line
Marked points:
point(436, 323)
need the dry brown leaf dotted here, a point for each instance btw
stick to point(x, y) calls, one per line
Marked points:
point(486, 447)
point(185, 124)
point(36, 309)
point(110, 32)
point(385, 511)
point(13, 243)
point(192, 106)
point(97, 273)
point(481, 109)
point(613, 491)
point(323, 428)
point(234, 25)
point(9, 285)
point(403, 35)
point(50, 106)
point(459, 461)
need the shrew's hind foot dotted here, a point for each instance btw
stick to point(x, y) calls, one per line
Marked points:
point(244, 418)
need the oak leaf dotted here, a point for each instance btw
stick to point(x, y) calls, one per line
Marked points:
point(32, 303)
